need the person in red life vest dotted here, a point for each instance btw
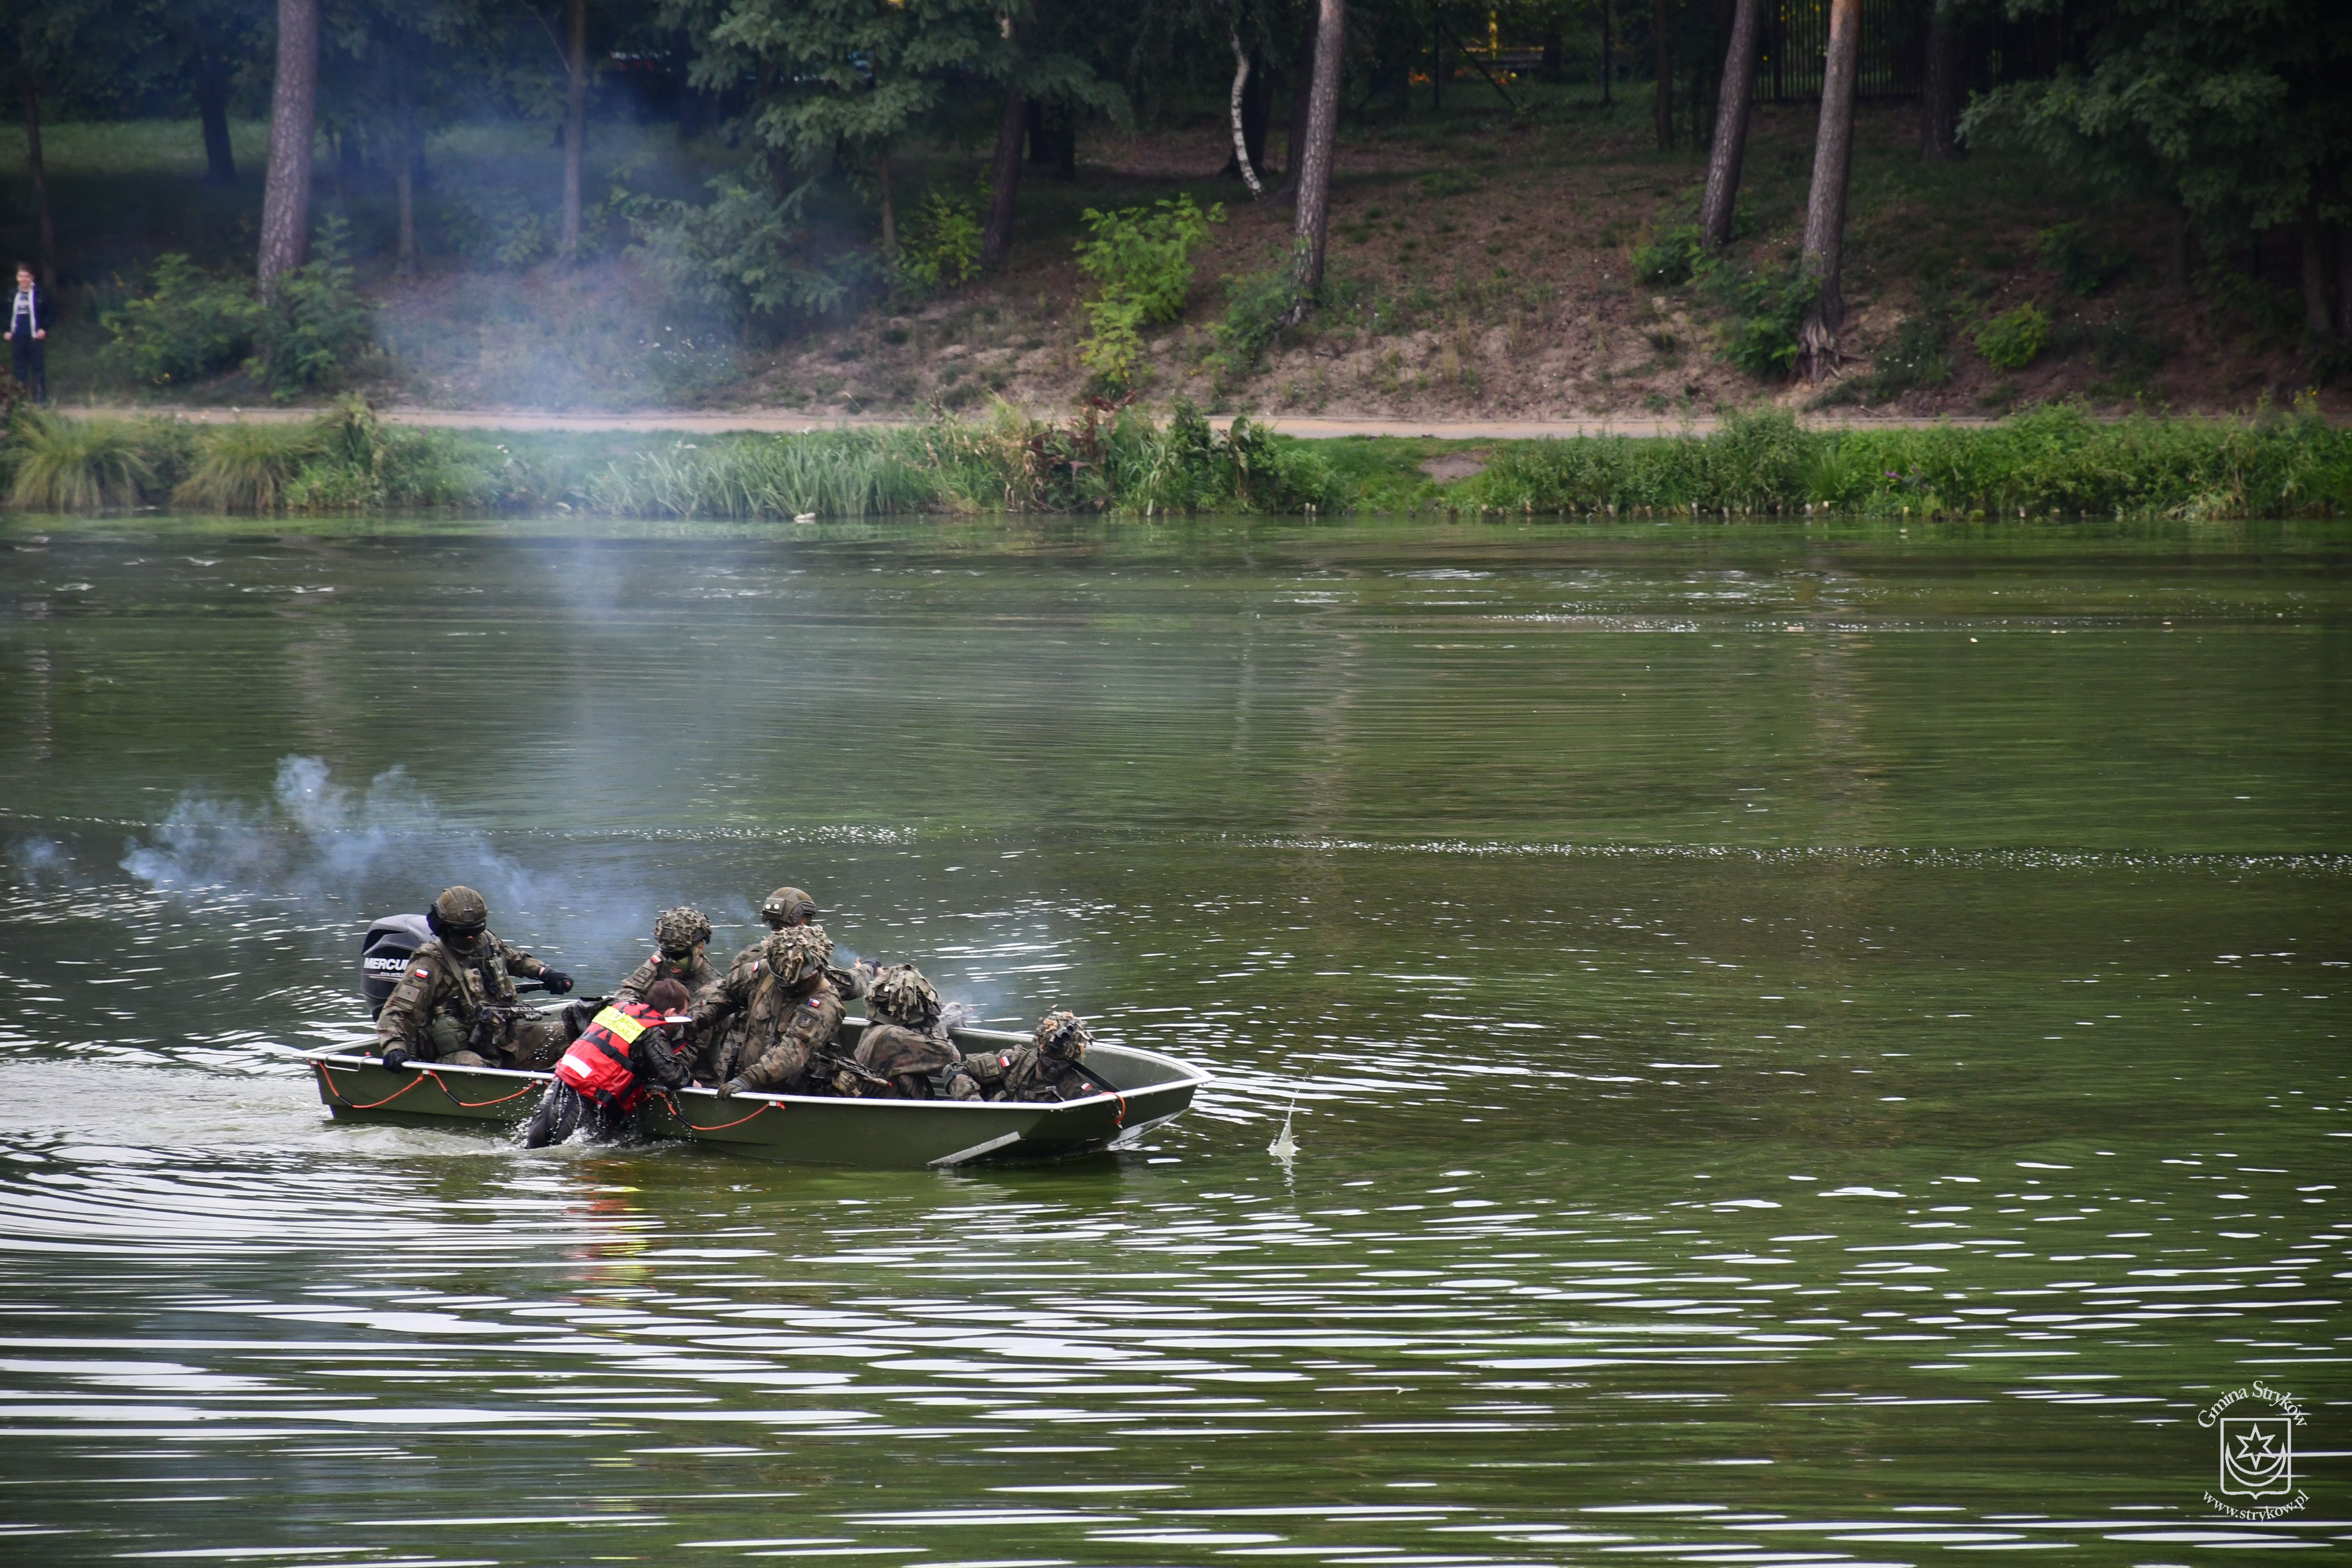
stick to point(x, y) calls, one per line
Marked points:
point(603, 1076)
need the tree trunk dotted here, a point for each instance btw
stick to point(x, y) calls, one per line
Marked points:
point(40, 177)
point(1240, 161)
point(1732, 106)
point(1302, 95)
point(2177, 258)
point(1824, 253)
point(2344, 283)
point(1662, 97)
point(1551, 53)
point(575, 129)
point(2318, 320)
point(212, 112)
point(1940, 92)
point(1314, 178)
point(293, 125)
point(889, 212)
point(1004, 179)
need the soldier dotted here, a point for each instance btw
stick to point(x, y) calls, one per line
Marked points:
point(784, 909)
point(764, 1027)
point(1046, 1070)
point(681, 940)
point(455, 1002)
point(906, 1038)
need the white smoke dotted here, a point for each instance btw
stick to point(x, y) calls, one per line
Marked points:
point(321, 841)
point(40, 860)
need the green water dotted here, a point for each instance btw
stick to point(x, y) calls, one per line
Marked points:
point(1807, 1047)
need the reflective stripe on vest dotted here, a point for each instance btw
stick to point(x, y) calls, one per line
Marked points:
point(597, 1063)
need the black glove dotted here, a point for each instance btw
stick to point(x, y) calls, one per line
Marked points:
point(396, 1058)
point(558, 983)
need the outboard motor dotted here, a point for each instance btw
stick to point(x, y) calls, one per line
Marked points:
point(384, 951)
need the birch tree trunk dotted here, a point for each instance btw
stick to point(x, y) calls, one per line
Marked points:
point(1241, 119)
point(293, 128)
point(1732, 105)
point(1315, 168)
point(1824, 253)
point(575, 127)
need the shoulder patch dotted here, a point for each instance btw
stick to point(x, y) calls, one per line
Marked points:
point(420, 972)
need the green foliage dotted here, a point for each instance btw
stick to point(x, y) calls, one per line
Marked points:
point(245, 467)
point(1917, 357)
point(316, 320)
point(839, 473)
point(941, 247)
point(76, 465)
point(1671, 256)
point(2083, 270)
point(1258, 312)
point(2014, 338)
point(1140, 259)
point(2051, 460)
point(745, 250)
point(187, 326)
point(1766, 308)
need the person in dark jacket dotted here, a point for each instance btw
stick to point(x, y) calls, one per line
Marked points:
point(628, 1048)
point(28, 335)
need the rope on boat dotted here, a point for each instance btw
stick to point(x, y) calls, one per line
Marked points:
point(1121, 1120)
point(327, 1081)
point(422, 1074)
point(678, 1112)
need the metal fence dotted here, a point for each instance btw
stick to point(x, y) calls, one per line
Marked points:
point(1797, 37)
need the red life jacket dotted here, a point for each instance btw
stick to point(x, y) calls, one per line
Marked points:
point(597, 1063)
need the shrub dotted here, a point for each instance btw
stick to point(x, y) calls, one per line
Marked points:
point(1917, 356)
point(2014, 338)
point(1767, 307)
point(941, 246)
point(1258, 312)
point(76, 465)
point(2066, 251)
point(314, 322)
point(246, 467)
point(745, 250)
point(1671, 256)
point(1141, 261)
point(187, 326)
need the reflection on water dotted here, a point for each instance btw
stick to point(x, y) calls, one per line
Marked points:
point(1841, 1095)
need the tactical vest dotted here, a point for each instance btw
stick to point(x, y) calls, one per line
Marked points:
point(597, 1063)
point(481, 977)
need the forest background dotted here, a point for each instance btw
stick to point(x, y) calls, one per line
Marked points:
point(1574, 206)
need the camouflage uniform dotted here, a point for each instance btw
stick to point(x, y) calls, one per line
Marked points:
point(679, 935)
point(906, 1040)
point(1046, 1070)
point(769, 1016)
point(432, 1011)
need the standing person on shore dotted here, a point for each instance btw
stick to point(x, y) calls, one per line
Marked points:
point(28, 335)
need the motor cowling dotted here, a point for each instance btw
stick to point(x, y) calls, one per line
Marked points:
point(384, 951)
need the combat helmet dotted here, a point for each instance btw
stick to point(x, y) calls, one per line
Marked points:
point(786, 908)
point(678, 931)
point(796, 952)
point(1063, 1035)
point(902, 995)
point(459, 915)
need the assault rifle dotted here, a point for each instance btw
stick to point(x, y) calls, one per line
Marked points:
point(854, 1069)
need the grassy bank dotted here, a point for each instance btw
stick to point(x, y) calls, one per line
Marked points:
point(2051, 461)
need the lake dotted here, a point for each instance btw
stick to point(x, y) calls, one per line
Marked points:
point(1807, 1045)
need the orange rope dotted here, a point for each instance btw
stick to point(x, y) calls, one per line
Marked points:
point(476, 1104)
point(328, 1082)
point(674, 1110)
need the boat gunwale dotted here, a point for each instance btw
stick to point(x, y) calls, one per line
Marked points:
point(1188, 1076)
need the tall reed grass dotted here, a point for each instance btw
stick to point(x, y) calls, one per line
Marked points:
point(78, 465)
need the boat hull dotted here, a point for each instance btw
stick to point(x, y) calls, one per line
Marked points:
point(799, 1128)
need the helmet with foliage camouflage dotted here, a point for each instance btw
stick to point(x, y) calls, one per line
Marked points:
point(1063, 1035)
point(787, 907)
point(679, 931)
point(796, 952)
point(902, 995)
point(458, 913)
